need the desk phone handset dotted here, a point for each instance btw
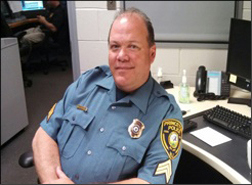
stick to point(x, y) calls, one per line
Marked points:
point(211, 85)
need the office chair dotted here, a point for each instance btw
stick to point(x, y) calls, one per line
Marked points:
point(51, 49)
point(56, 50)
point(7, 32)
point(39, 51)
point(26, 160)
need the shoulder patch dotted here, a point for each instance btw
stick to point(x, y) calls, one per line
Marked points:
point(171, 135)
point(50, 113)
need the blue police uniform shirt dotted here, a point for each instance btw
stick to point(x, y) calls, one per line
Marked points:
point(95, 145)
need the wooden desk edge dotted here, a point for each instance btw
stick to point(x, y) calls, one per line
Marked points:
point(23, 22)
point(216, 163)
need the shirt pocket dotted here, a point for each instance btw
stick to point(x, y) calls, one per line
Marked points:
point(128, 156)
point(76, 127)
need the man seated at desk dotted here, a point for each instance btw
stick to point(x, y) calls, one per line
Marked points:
point(108, 126)
point(52, 21)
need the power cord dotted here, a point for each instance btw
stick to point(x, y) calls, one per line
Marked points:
point(210, 96)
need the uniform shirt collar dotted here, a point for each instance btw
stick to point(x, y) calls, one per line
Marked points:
point(107, 82)
point(142, 95)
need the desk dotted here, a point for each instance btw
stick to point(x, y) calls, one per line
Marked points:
point(22, 22)
point(208, 154)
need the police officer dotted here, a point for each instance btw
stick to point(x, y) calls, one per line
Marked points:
point(114, 124)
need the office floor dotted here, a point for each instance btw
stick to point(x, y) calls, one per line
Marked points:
point(45, 91)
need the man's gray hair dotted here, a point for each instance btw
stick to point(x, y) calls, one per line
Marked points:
point(132, 10)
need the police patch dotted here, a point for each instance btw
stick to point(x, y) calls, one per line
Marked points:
point(171, 136)
point(50, 113)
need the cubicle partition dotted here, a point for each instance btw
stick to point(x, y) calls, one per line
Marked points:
point(13, 105)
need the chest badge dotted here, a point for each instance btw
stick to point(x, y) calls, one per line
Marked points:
point(136, 128)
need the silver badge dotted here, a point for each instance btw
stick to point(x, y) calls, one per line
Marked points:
point(136, 128)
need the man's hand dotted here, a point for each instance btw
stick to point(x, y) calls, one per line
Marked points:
point(49, 25)
point(41, 19)
point(62, 178)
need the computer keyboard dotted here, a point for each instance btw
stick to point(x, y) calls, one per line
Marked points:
point(229, 120)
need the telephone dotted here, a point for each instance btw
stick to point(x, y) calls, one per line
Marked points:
point(211, 85)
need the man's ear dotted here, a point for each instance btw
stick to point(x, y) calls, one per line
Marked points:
point(153, 53)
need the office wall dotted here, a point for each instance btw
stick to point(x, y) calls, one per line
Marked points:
point(93, 22)
point(247, 10)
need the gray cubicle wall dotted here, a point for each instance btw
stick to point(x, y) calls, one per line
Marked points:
point(189, 21)
point(13, 105)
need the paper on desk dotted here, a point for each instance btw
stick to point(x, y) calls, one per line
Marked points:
point(210, 136)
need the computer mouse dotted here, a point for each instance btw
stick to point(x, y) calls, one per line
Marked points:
point(183, 112)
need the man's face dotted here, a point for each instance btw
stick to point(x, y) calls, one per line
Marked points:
point(50, 3)
point(130, 55)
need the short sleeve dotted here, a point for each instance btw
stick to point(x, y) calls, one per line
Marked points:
point(163, 154)
point(58, 18)
point(53, 121)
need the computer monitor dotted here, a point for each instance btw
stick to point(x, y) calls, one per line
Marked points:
point(239, 57)
point(32, 5)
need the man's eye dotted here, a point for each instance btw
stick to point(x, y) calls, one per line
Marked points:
point(114, 47)
point(133, 47)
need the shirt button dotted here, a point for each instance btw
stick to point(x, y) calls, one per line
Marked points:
point(124, 148)
point(102, 129)
point(73, 118)
point(89, 152)
point(77, 176)
point(113, 107)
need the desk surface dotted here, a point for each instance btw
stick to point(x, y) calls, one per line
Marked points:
point(22, 22)
point(233, 166)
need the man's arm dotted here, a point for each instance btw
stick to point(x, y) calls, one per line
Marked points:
point(131, 181)
point(63, 179)
point(49, 25)
point(46, 156)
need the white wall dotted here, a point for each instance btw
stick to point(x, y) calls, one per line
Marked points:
point(247, 10)
point(93, 22)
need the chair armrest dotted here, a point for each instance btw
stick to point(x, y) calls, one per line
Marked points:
point(19, 34)
point(26, 160)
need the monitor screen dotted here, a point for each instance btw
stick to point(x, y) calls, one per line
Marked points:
point(239, 54)
point(32, 5)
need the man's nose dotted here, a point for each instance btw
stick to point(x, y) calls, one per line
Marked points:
point(123, 55)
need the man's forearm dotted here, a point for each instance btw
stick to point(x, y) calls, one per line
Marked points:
point(50, 26)
point(131, 181)
point(46, 156)
point(47, 24)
